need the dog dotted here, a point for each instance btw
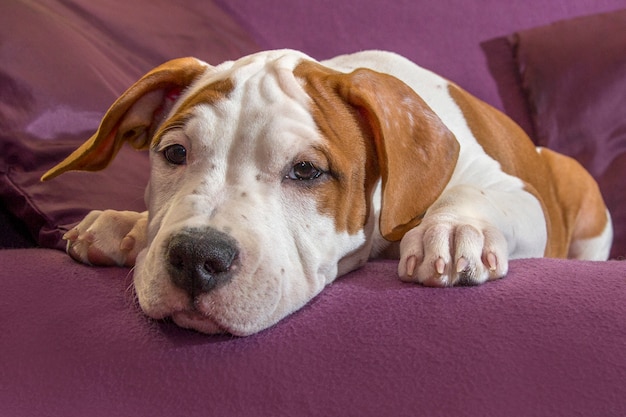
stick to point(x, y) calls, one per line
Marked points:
point(274, 174)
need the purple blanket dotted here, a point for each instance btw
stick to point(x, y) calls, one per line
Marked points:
point(75, 344)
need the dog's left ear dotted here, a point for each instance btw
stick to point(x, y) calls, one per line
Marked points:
point(133, 117)
point(416, 152)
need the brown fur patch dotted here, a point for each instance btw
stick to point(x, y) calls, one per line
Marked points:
point(579, 194)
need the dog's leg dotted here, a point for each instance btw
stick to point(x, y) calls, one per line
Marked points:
point(108, 238)
point(469, 234)
point(584, 210)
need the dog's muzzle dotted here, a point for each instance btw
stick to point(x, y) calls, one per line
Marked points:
point(201, 259)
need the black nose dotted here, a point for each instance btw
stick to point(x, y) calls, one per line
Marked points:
point(200, 259)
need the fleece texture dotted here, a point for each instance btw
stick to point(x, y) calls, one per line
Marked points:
point(546, 340)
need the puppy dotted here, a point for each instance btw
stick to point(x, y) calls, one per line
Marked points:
point(274, 174)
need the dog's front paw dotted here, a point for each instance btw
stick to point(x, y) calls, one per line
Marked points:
point(108, 238)
point(444, 252)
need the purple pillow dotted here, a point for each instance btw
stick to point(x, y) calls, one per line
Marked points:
point(570, 78)
point(59, 74)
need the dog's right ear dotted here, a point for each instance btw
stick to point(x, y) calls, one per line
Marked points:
point(133, 117)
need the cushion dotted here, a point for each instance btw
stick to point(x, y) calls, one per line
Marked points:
point(60, 73)
point(570, 77)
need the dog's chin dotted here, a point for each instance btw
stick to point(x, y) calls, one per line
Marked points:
point(196, 321)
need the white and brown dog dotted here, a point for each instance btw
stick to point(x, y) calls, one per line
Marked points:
point(274, 174)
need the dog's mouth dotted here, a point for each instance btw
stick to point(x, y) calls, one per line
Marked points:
point(194, 320)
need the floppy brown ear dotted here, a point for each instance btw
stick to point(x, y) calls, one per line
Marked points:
point(416, 152)
point(133, 116)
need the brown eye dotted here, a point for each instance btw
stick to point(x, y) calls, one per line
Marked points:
point(304, 171)
point(175, 154)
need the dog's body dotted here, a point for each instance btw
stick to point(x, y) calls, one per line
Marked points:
point(274, 174)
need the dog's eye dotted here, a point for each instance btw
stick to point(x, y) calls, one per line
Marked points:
point(175, 154)
point(304, 171)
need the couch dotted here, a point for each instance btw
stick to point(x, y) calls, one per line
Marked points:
point(547, 340)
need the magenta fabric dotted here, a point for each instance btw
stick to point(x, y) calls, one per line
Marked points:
point(547, 341)
point(50, 209)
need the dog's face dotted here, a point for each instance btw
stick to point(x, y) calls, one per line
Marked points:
point(244, 201)
point(262, 177)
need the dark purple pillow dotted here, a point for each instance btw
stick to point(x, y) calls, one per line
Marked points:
point(58, 75)
point(572, 82)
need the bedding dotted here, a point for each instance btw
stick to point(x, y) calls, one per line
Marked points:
point(369, 345)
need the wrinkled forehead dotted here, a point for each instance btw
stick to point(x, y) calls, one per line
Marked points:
point(268, 75)
point(258, 84)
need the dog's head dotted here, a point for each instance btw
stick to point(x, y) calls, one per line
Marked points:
point(263, 172)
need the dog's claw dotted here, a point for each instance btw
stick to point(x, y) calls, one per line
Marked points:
point(88, 237)
point(127, 244)
point(71, 235)
point(461, 265)
point(492, 261)
point(440, 266)
point(411, 263)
